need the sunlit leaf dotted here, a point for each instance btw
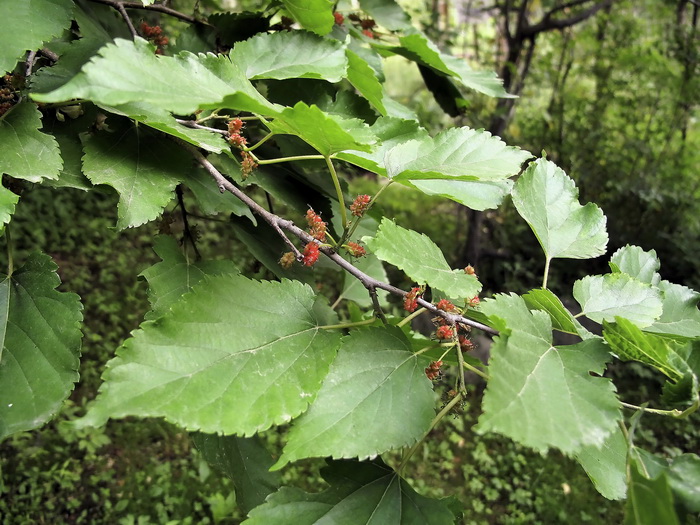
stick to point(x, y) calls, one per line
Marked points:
point(548, 200)
point(233, 356)
point(606, 465)
point(365, 80)
point(421, 259)
point(542, 396)
point(562, 319)
point(603, 297)
point(40, 345)
point(314, 15)
point(637, 263)
point(28, 153)
point(386, 13)
point(291, 54)
point(680, 315)
point(375, 398)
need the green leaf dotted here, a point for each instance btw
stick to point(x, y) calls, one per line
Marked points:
point(607, 465)
point(630, 343)
point(456, 153)
point(562, 319)
point(291, 54)
point(603, 297)
point(548, 200)
point(162, 120)
point(649, 501)
point(365, 80)
point(375, 378)
point(539, 395)
point(415, 46)
point(210, 200)
point(175, 275)
point(72, 57)
point(386, 13)
point(477, 195)
point(129, 71)
point(684, 478)
point(354, 290)
point(637, 263)
point(142, 166)
point(40, 345)
point(26, 25)
point(8, 201)
point(368, 492)
point(326, 133)
point(245, 461)
point(680, 315)
point(390, 132)
point(28, 153)
point(314, 15)
point(233, 356)
point(421, 259)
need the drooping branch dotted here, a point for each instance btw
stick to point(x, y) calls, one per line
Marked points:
point(153, 7)
point(281, 225)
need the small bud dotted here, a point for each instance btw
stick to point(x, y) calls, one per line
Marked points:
point(469, 270)
point(410, 302)
point(287, 260)
point(444, 332)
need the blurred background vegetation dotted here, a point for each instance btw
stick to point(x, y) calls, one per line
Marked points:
point(612, 98)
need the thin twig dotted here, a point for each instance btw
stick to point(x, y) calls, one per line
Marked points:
point(153, 7)
point(29, 64)
point(194, 125)
point(187, 232)
point(375, 303)
point(119, 6)
point(49, 54)
point(279, 224)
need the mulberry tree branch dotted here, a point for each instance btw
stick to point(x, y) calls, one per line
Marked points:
point(281, 225)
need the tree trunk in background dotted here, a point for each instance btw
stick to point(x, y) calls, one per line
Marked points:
point(520, 36)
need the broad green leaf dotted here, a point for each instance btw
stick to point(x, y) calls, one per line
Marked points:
point(175, 275)
point(390, 131)
point(475, 194)
point(245, 461)
point(27, 153)
point(40, 345)
point(314, 15)
point(8, 201)
point(649, 501)
point(637, 263)
point(562, 319)
point(325, 132)
point(142, 166)
point(684, 478)
point(365, 80)
point(680, 315)
point(630, 343)
point(26, 25)
point(607, 465)
point(210, 200)
point(415, 46)
point(360, 492)
point(291, 54)
point(542, 396)
point(386, 13)
point(162, 120)
point(72, 57)
point(603, 297)
point(455, 154)
point(548, 200)
point(233, 356)
point(375, 378)
point(129, 71)
point(421, 259)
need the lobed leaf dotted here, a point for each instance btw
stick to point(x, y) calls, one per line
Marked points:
point(562, 319)
point(26, 25)
point(375, 398)
point(548, 200)
point(233, 356)
point(28, 153)
point(604, 297)
point(142, 166)
point(637, 263)
point(360, 492)
point(8, 201)
point(539, 395)
point(421, 259)
point(39, 345)
point(680, 316)
point(291, 54)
